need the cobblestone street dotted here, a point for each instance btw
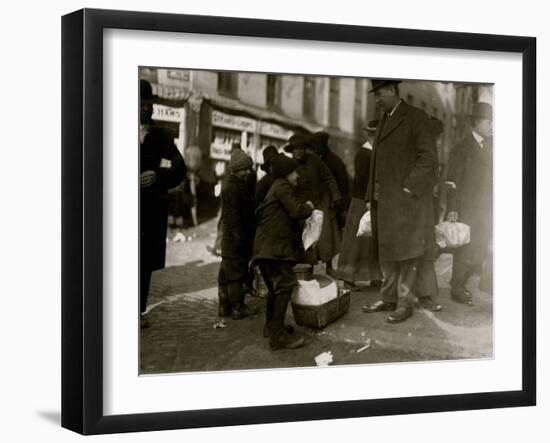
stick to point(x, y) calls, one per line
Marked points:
point(182, 313)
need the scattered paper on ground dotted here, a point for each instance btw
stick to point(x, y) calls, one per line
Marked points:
point(324, 359)
point(367, 346)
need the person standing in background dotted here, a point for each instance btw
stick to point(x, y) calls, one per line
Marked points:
point(238, 224)
point(357, 261)
point(470, 199)
point(319, 140)
point(262, 187)
point(161, 168)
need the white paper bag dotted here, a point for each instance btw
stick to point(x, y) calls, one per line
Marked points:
point(452, 234)
point(365, 226)
point(312, 229)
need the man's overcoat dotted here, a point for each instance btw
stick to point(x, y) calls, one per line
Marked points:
point(471, 172)
point(404, 156)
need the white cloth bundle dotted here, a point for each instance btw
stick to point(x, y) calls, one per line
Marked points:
point(315, 292)
point(452, 234)
point(312, 229)
point(365, 226)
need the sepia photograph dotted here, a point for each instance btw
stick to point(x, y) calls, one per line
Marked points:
point(291, 220)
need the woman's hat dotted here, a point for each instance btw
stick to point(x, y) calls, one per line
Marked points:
point(268, 154)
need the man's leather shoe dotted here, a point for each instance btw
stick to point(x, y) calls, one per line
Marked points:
point(284, 340)
point(428, 304)
point(464, 297)
point(289, 329)
point(401, 314)
point(379, 306)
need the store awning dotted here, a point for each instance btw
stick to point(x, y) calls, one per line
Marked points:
point(263, 114)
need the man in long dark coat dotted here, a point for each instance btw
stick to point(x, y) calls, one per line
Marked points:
point(470, 198)
point(161, 168)
point(276, 248)
point(319, 140)
point(400, 189)
point(237, 237)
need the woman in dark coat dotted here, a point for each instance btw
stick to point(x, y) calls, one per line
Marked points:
point(317, 184)
point(357, 261)
point(335, 164)
point(276, 247)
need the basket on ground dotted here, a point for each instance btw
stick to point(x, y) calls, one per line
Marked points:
point(319, 316)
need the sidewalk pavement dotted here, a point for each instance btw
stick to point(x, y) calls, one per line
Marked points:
point(182, 314)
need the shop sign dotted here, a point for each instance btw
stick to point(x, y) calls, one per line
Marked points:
point(178, 74)
point(220, 151)
point(275, 131)
point(235, 122)
point(168, 114)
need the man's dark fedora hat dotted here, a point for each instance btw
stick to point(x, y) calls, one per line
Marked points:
point(146, 90)
point(379, 83)
point(297, 141)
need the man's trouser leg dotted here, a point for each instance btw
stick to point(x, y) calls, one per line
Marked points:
point(280, 280)
point(224, 307)
point(426, 280)
point(231, 276)
point(145, 271)
point(460, 270)
point(144, 281)
point(399, 279)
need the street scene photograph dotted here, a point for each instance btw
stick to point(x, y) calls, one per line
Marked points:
point(300, 220)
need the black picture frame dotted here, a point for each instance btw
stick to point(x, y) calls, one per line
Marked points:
point(82, 218)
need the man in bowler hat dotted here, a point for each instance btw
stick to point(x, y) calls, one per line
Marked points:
point(470, 198)
point(399, 194)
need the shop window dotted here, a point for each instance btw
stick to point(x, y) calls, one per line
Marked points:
point(334, 102)
point(309, 97)
point(273, 98)
point(228, 83)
